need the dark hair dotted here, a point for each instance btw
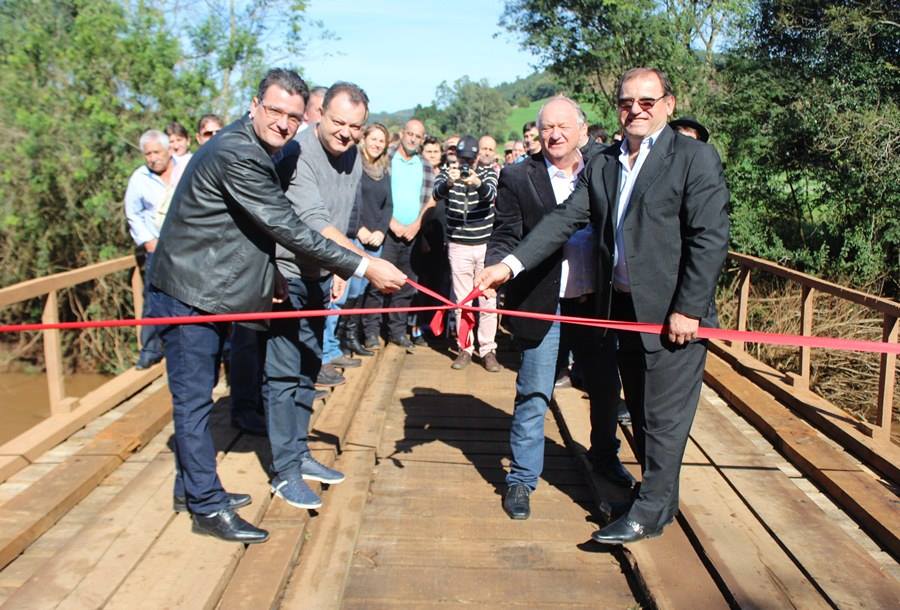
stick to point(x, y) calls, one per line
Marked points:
point(176, 129)
point(208, 118)
point(288, 80)
point(527, 127)
point(666, 83)
point(354, 92)
point(431, 140)
point(598, 131)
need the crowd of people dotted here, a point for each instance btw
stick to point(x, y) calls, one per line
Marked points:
point(303, 204)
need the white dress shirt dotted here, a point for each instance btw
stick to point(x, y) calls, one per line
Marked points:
point(578, 265)
point(627, 178)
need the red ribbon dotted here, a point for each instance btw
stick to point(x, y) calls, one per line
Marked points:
point(467, 322)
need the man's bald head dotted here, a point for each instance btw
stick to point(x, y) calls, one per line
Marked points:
point(487, 150)
point(412, 136)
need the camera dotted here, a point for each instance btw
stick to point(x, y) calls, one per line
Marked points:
point(466, 153)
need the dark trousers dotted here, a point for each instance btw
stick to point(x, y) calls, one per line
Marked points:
point(595, 355)
point(293, 360)
point(193, 353)
point(398, 252)
point(248, 356)
point(151, 345)
point(661, 390)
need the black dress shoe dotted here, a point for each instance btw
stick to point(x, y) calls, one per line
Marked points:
point(372, 342)
point(346, 362)
point(623, 531)
point(516, 502)
point(329, 377)
point(403, 341)
point(234, 501)
point(613, 471)
point(353, 345)
point(228, 525)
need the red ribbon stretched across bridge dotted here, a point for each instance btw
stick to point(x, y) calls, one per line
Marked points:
point(467, 322)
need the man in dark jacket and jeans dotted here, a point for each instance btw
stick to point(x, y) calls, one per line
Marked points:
point(216, 255)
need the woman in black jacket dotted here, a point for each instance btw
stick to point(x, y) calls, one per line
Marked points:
point(369, 221)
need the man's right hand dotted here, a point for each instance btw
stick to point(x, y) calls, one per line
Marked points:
point(150, 245)
point(493, 276)
point(385, 276)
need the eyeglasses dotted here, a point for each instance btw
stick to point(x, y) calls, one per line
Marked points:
point(276, 114)
point(646, 103)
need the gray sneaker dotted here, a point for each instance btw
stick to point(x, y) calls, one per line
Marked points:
point(295, 492)
point(313, 470)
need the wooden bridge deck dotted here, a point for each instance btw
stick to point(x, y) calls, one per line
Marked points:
point(418, 523)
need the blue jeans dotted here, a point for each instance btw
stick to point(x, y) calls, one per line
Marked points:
point(293, 360)
point(151, 345)
point(356, 286)
point(534, 388)
point(193, 353)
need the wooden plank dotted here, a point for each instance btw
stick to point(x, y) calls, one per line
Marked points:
point(866, 500)
point(56, 387)
point(10, 465)
point(668, 568)
point(486, 588)
point(853, 435)
point(262, 572)
point(753, 566)
point(847, 574)
point(40, 286)
point(31, 513)
point(57, 428)
point(86, 571)
point(325, 559)
point(185, 570)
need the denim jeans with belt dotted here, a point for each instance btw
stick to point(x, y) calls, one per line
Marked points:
point(193, 353)
point(293, 360)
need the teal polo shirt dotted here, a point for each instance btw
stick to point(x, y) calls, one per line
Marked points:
point(406, 187)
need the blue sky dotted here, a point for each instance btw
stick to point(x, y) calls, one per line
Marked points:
point(400, 50)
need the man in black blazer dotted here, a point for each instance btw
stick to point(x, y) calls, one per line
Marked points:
point(564, 282)
point(660, 207)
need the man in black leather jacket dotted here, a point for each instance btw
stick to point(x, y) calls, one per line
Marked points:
point(216, 255)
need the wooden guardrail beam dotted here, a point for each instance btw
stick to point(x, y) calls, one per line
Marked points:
point(886, 306)
point(43, 285)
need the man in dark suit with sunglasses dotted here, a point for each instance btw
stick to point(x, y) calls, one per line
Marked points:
point(659, 206)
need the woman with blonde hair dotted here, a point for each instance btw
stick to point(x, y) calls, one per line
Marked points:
point(369, 221)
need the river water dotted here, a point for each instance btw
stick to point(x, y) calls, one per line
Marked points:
point(24, 401)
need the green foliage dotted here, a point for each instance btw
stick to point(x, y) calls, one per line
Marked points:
point(800, 97)
point(469, 107)
point(523, 91)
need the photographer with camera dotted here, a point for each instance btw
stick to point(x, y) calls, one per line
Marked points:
point(469, 190)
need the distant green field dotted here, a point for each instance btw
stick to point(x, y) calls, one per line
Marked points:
point(520, 116)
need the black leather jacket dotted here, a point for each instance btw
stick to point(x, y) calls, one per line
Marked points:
point(216, 249)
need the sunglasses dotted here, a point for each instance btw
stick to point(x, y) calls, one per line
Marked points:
point(646, 103)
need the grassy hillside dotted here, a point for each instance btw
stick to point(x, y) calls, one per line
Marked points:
point(520, 116)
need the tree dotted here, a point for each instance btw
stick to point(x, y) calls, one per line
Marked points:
point(811, 127)
point(589, 43)
point(472, 108)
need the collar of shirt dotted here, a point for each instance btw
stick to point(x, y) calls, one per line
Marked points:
point(646, 144)
point(154, 176)
point(563, 184)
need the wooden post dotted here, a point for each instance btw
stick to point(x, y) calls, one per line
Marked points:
point(137, 297)
point(743, 302)
point(806, 316)
point(53, 356)
point(886, 375)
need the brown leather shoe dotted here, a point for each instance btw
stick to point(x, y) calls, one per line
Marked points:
point(489, 360)
point(462, 361)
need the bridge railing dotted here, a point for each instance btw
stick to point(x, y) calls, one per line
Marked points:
point(810, 286)
point(48, 287)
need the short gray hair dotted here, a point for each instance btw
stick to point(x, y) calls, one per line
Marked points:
point(582, 118)
point(153, 134)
